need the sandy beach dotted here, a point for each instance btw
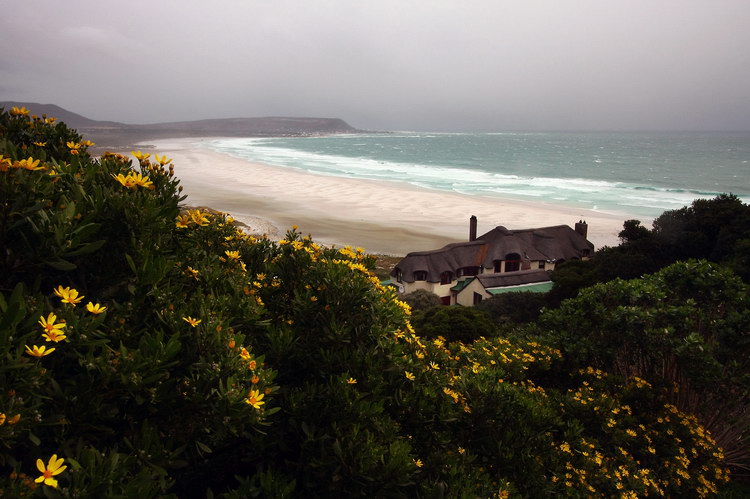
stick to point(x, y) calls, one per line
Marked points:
point(382, 217)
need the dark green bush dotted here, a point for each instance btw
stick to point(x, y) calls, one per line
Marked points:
point(201, 361)
point(684, 328)
point(455, 323)
point(421, 300)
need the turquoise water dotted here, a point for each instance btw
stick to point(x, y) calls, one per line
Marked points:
point(625, 173)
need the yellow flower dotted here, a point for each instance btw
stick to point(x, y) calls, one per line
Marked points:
point(54, 467)
point(40, 144)
point(68, 295)
point(162, 160)
point(252, 365)
point(73, 146)
point(255, 399)
point(244, 354)
point(409, 376)
point(19, 111)
point(255, 379)
point(234, 255)
point(128, 181)
point(191, 272)
point(231, 343)
point(2, 418)
point(49, 121)
point(29, 163)
point(142, 180)
point(191, 321)
point(198, 217)
point(49, 326)
point(434, 366)
point(95, 309)
point(418, 462)
point(140, 156)
point(351, 381)
point(38, 351)
point(15, 419)
point(183, 221)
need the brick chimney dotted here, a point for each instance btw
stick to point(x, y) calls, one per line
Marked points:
point(473, 228)
point(582, 228)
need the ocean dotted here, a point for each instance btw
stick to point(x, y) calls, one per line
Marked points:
point(633, 174)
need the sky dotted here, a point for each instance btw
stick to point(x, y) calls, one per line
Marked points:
point(428, 65)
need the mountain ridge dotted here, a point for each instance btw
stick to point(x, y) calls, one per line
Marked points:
point(116, 134)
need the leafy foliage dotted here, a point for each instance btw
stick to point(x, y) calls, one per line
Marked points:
point(685, 329)
point(208, 361)
point(716, 229)
point(454, 323)
point(421, 299)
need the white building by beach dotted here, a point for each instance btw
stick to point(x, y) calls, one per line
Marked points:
point(499, 261)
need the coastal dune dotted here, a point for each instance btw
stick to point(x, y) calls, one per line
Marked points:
point(381, 216)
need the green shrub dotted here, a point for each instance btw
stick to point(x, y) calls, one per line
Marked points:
point(685, 329)
point(455, 323)
point(421, 299)
point(192, 359)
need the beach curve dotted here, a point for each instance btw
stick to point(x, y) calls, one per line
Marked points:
point(381, 216)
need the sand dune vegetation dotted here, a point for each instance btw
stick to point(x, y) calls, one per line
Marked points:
point(153, 351)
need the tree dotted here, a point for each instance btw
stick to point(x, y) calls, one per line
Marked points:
point(454, 323)
point(421, 300)
point(513, 307)
point(685, 329)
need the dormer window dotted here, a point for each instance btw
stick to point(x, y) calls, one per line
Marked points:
point(512, 262)
point(399, 275)
point(420, 275)
point(446, 277)
point(468, 271)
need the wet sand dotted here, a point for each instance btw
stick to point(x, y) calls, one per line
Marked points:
point(383, 217)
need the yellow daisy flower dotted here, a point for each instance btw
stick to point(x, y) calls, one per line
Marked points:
point(54, 467)
point(255, 399)
point(191, 321)
point(38, 352)
point(68, 295)
point(95, 309)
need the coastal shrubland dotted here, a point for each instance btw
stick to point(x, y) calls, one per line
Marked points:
point(155, 351)
point(717, 230)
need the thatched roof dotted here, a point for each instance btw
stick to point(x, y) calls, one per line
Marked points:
point(513, 278)
point(559, 242)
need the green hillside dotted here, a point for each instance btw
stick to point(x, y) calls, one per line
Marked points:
point(150, 351)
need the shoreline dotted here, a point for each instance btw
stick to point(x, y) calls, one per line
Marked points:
point(382, 216)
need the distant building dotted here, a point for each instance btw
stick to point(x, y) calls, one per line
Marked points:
point(499, 261)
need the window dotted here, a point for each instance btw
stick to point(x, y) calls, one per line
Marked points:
point(399, 275)
point(466, 271)
point(512, 262)
point(477, 298)
point(446, 277)
point(420, 275)
point(497, 266)
point(445, 300)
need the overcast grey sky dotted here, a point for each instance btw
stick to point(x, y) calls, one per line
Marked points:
point(398, 65)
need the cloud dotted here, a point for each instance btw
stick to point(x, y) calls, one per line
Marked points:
point(495, 65)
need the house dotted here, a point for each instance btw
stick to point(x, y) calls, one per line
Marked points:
point(499, 261)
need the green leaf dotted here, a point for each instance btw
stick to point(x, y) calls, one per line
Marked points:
point(87, 248)
point(203, 447)
point(131, 263)
point(34, 439)
point(61, 264)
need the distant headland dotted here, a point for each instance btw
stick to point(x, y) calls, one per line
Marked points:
point(112, 134)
